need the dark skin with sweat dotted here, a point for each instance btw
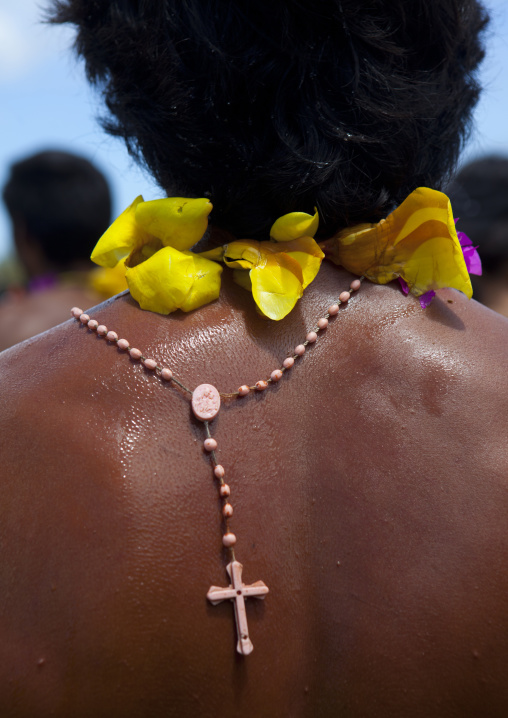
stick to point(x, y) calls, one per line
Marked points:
point(370, 494)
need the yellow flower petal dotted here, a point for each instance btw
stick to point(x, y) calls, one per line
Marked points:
point(417, 242)
point(242, 278)
point(172, 280)
point(309, 256)
point(217, 254)
point(144, 252)
point(205, 285)
point(276, 277)
point(178, 222)
point(293, 225)
point(107, 281)
point(243, 253)
point(121, 238)
point(276, 284)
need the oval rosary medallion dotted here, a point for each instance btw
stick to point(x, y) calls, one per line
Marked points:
point(205, 402)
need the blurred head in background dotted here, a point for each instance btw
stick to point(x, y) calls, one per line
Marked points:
point(60, 204)
point(479, 196)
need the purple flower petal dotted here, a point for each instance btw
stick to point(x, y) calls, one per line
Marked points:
point(404, 285)
point(425, 299)
point(471, 256)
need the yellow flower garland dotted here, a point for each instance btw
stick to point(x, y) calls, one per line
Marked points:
point(417, 242)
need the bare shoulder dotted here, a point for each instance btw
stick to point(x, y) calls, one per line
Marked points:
point(439, 377)
point(454, 352)
point(27, 316)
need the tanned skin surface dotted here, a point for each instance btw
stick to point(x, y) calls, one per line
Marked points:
point(24, 316)
point(370, 490)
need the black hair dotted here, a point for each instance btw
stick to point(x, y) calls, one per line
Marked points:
point(63, 201)
point(270, 107)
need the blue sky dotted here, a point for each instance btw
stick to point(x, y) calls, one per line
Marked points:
point(45, 102)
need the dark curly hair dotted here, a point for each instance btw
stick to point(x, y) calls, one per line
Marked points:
point(268, 107)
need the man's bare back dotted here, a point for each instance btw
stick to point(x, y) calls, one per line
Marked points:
point(370, 495)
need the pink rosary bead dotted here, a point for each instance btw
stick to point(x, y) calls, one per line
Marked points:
point(344, 297)
point(122, 344)
point(261, 385)
point(224, 491)
point(210, 444)
point(150, 363)
point(219, 471)
point(227, 511)
point(311, 337)
point(84, 318)
point(166, 374)
point(243, 390)
point(288, 363)
point(333, 309)
point(112, 337)
point(355, 285)
point(276, 375)
point(135, 353)
point(102, 330)
point(92, 324)
point(229, 539)
point(322, 323)
point(300, 350)
point(76, 312)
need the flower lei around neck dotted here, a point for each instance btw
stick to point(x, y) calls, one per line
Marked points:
point(416, 244)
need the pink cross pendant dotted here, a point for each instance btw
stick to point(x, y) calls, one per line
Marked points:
point(238, 592)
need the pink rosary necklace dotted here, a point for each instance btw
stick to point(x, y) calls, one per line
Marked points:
point(206, 400)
